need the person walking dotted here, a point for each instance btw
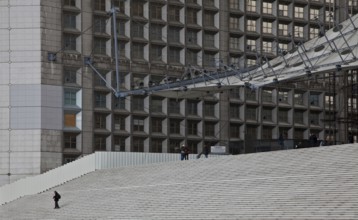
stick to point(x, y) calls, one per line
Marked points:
point(206, 150)
point(186, 153)
point(56, 198)
point(182, 152)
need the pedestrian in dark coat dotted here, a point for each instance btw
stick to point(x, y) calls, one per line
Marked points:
point(186, 152)
point(206, 151)
point(56, 198)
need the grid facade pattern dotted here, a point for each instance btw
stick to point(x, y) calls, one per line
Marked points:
point(158, 38)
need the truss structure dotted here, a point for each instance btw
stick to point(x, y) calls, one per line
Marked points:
point(334, 50)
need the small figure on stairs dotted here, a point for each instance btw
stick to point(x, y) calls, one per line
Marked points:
point(56, 198)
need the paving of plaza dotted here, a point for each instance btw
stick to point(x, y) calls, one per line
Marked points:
point(312, 183)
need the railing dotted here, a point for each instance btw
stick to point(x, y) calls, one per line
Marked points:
point(100, 160)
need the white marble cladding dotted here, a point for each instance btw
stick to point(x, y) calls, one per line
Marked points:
point(25, 73)
point(25, 162)
point(4, 140)
point(4, 118)
point(36, 107)
point(25, 140)
point(4, 15)
point(4, 76)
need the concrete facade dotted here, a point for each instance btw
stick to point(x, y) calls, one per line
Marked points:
point(51, 112)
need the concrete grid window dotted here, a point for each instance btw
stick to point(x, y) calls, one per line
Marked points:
point(98, 80)
point(283, 96)
point(298, 117)
point(329, 101)
point(298, 31)
point(299, 12)
point(210, 129)
point(251, 132)
point(235, 43)
point(191, 57)
point(100, 143)
point(174, 14)
point(192, 108)
point(234, 111)
point(121, 28)
point(174, 106)
point(251, 45)
point(283, 115)
point(156, 105)
point(156, 146)
point(314, 118)
point(100, 121)
point(314, 13)
point(235, 93)
point(234, 60)
point(251, 25)
point(233, 23)
point(209, 109)
point(137, 51)
point(209, 2)
point(69, 75)
point(174, 126)
point(70, 140)
point(69, 3)
point(156, 11)
point(251, 113)
point(298, 98)
point(282, 10)
point(191, 37)
point(209, 19)
point(137, 8)
point(157, 125)
point(299, 134)
point(267, 133)
point(267, 7)
point(329, 16)
point(267, 46)
point(314, 99)
point(100, 5)
point(156, 32)
point(250, 94)
point(119, 103)
point(251, 5)
point(156, 53)
point(100, 45)
point(192, 127)
point(267, 114)
point(138, 103)
point(191, 16)
point(234, 130)
point(234, 4)
point(137, 30)
point(138, 145)
point(174, 146)
point(69, 20)
point(282, 29)
point(174, 55)
point(70, 97)
point(174, 35)
point(120, 5)
point(69, 41)
point(100, 24)
point(283, 47)
point(138, 124)
point(314, 32)
point(119, 143)
point(209, 59)
point(266, 95)
point(100, 100)
point(119, 122)
point(267, 27)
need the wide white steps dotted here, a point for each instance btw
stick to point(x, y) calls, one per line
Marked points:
point(317, 183)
